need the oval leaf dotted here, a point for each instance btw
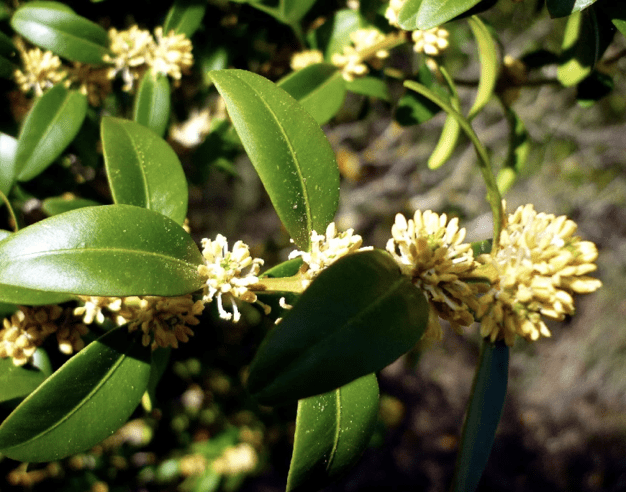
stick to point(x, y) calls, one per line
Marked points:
point(55, 27)
point(357, 317)
point(51, 125)
point(320, 89)
point(8, 147)
point(82, 403)
point(142, 168)
point(446, 144)
point(370, 86)
point(152, 102)
point(111, 250)
point(288, 149)
point(483, 415)
point(332, 431)
point(30, 297)
point(20, 381)
point(185, 17)
point(489, 69)
point(60, 204)
point(563, 8)
point(426, 14)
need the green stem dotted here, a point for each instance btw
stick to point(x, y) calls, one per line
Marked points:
point(11, 212)
point(493, 195)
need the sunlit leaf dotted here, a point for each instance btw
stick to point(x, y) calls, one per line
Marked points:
point(332, 431)
point(426, 14)
point(152, 102)
point(142, 169)
point(320, 89)
point(111, 250)
point(50, 126)
point(82, 403)
point(8, 147)
point(55, 27)
point(288, 150)
point(489, 68)
point(357, 316)
point(185, 17)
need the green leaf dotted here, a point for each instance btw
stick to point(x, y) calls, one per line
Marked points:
point(82, 403)
point(30, 297)
point(483, 415)
point(61, 204)
point(185, 17)
point(562, 8)
point(8, 147)
point(6, 68)
point(489, 68)
point(426, 14)
point(320, 89)
point(160, 361)
point(152, 102)
point(357, 316)
point(586, 38)
point(55, 27)
point(370, 86)
point(142, 169)
point(111, 250)
point(334, 34)
point(20, 381)
point(287, 268)
point(288, 150)
point(50, 126)
point(294, 10)
point(332, 431)
point(450, 132)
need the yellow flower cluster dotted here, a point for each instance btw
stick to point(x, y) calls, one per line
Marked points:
point(305, 58)
point(41, 70)
point(534, 272)
point(28, 328)
point(430, 42)
point(430, 250)
point(225, 277)
point(325, 250)
point(352, 60)
point(135, 49)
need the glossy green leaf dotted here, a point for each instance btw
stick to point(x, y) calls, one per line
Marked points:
point(287, 268)
point(82, 403)
point(334, 34)
point(489, 68)
point(30, 297)
point(20, 381)
point(357, 316)
point(426, 14)
point(8, 147)
point(142, 169)
point(294, 10)
point(562, 8)
point(320, 89)
point(369, 86)
point(61, 204)
point(50, 126)
point(185, 17)
point(288, 150)
point(111, 250)
point(449, 133)
point(586, 38)
point(152, 102)
point(483, 415)
point(332, 431)
point(55, 27)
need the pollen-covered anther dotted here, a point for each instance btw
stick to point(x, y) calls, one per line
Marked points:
point(228, 275)
point(537, 267)
point(430, 251)
point(325, 250)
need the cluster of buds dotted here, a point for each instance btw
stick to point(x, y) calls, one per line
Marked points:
point(133, 51)
point(29, 327)
point(303, 59)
